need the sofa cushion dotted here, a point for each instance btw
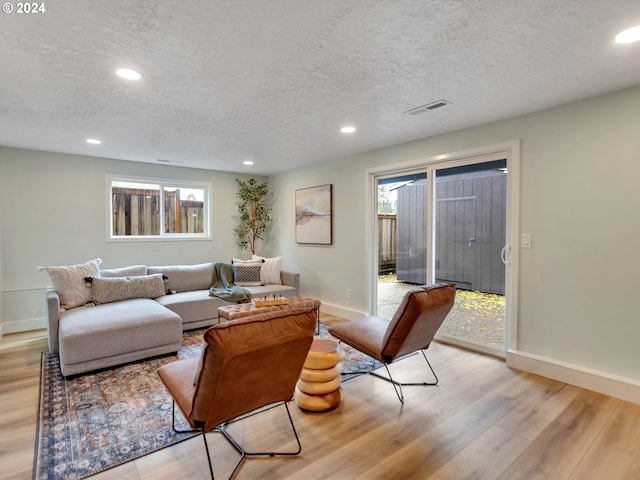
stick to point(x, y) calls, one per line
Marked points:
point(269, 290)
point(270, 271)
point(193, 306)
point(107, 290)
point(90, 333)
point(69, 282)
point(132, 271)
point(184, 278)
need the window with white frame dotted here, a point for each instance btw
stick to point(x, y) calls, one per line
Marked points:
point(142, 208)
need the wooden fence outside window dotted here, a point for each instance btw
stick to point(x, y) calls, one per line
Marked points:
point(137, 212)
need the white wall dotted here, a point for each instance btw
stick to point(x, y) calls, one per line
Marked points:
point(580, 178)
point(580, 167)
point(53, 212)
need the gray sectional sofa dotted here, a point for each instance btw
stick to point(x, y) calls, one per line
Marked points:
point(122, 330)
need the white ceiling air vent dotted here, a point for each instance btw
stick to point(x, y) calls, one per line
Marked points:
point(169, 161)
point(428, 107)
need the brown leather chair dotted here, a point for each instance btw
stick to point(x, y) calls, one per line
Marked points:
point(246, 364)
point(413, 326)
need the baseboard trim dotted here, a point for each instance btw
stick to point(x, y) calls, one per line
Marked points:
point(340, 311)
point(23, 326)
point(616, 386)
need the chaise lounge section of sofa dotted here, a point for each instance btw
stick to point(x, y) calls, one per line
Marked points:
point(96, 336)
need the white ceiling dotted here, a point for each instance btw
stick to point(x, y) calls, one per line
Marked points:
point(273, 81)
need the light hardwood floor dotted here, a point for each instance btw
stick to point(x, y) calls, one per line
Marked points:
point(483, 421)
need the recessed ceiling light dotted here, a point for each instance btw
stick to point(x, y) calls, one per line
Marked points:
point(128, 74)
point(93, 141)
point(248, 162)
point(629, 35)
point(348, 129)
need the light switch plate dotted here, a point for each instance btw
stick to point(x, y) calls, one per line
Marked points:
point(525, 240)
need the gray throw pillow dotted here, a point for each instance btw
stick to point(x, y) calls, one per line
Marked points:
point(247, 274)
point(107, 290)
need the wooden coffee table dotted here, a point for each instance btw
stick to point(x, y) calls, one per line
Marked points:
point(241, 310)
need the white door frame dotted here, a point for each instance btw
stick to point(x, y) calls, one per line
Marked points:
point(509, 150)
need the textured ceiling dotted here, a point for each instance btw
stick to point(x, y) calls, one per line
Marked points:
point(273, 81)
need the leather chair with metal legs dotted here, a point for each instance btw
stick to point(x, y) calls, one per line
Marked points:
point(245, 365)
point(413, 326)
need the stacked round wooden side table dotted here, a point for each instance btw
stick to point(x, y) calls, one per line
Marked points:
point(318, 389)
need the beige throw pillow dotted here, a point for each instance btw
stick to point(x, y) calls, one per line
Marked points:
point(270, 271)
point(69, 282)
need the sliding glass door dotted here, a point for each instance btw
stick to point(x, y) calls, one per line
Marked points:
point(469, 236)
point(402, 237)
point(446, 222)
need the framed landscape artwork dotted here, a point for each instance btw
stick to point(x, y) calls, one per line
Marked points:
point(314, 212)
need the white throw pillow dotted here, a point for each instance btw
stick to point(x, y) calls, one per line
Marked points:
point(270, 271)
point(69, 282)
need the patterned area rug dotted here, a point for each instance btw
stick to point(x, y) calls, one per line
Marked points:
point(97, 421)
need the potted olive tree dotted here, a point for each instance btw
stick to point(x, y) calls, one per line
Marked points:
point(254, 209)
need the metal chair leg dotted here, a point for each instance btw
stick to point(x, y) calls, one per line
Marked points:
point(206, 447)
point(397, 386)
point(243, 453)
point(195, 430)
